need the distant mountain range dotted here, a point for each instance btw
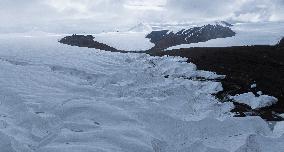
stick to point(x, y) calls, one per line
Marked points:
point(162, 39)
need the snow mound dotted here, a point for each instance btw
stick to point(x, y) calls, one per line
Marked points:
point(255, 102)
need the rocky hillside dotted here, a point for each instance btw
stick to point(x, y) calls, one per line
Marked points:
point(164, 39)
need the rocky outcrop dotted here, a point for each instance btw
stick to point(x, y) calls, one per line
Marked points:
point(165, 38)
point(86, 41)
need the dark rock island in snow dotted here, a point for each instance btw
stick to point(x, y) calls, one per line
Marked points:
point(85, 41)
point(165, 38)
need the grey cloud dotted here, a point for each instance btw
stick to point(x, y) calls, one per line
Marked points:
point(236, 10)
point(86, 15)
point(201, 8)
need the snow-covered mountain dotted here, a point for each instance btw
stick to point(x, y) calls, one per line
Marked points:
point(143, 38)
point(131, 40)
point(175, 36)
point(141, 27)
point(224, 23)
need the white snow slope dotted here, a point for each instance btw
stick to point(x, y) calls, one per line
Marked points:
point(268, 33)
point(125, 41)
point(58, 98)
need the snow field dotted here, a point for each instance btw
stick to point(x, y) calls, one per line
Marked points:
point(125, 41)
point(55, 97)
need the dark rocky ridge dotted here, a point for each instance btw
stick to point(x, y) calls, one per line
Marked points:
point(243, 66)
point(165, 38)
point(86, 41)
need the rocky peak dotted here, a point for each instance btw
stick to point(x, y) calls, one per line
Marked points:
point(224, 23)
point(141, 27)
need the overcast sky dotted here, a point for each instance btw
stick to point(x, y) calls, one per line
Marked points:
point(80, 15)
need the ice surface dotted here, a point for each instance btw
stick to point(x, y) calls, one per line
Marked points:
point(258, 143)
point(279, 129)
point(58, 98)
point(255, 101)
point(125, 41)
point(247, 34)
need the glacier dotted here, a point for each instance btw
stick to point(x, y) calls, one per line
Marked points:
point(55, 97)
